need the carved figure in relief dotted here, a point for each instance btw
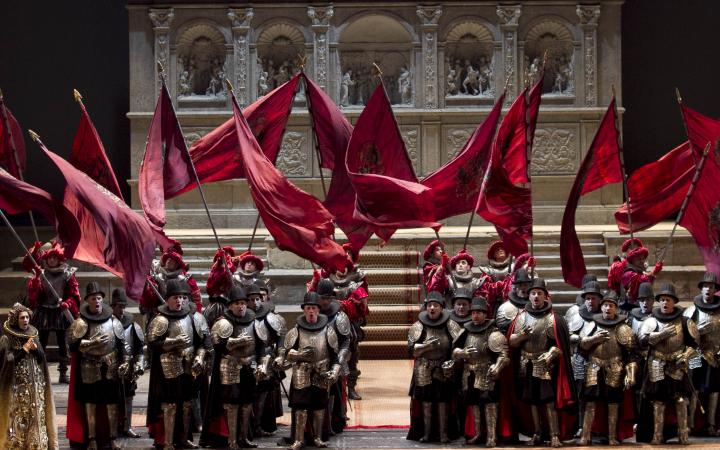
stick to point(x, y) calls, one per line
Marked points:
point(533, 72)
point(345, 84)
point(263, 83)
point(486, 73)
point(405, 86)
point(283, 75)
point(451, 82)
point(471, 83)
point(563, 77)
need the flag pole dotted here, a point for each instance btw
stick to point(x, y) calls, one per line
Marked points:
point(528, 158)
point(682, 115)
point(161, 73)
point(685, 202)
point(621, 157)
point(312, 125)
point(6, 121)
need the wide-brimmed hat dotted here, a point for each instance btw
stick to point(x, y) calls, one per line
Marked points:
point(348, 247)
point(93, 288)
point(427, 253)
point(249, 257)
point(118, 297)
point(462, 254)
point(631, 243)
point(709, 277)
point(479, 304)
point(55, 250)
point(435, 296)
point(667, 289)
point(177, 257)
point(494, 247)
point(176, 286)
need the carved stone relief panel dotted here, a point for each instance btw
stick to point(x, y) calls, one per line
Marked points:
point(556, 39)
point(411, 137)
point(294, 157)
point(320, 18)
point(469, 63)
point(429, 16)
point(509, 16)
point(240, 20)
point(201, 63)
point(589, 16)
point(455, 140)
point(280, 48)
point(192, 135)
point(161, 19)
point(555, 150)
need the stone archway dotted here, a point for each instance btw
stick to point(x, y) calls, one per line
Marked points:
point(201, 56)
point(381, 39)
point(551, 36)
point(469, 61)
point(280, 47)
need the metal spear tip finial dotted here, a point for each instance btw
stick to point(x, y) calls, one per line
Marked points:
point(507, 81)
point(301, 62)
point(160, 67)
point(377, 70)
point(35, 137)
point(78, 97)
point(678, 96)
point(228, 85)
point(545, 55)
point(612, 86)
point(2, 97)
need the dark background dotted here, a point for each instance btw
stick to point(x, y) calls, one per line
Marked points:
point(47, 48)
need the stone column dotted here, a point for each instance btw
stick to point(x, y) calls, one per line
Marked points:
point(429, 16)
point(161, 19)
point(509, 16)
point(240, 19)
point(589, 15)
point(320, 18)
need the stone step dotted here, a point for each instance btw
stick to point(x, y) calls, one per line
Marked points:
point(384, 350)
point(386, 332)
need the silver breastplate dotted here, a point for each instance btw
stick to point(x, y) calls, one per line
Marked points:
point(244, 351)
point(610, 348)
point(100, 329)
point(709, 341)
point(480, 342)
point(542, 328)
point(673, 343)
point(636, 324)
point(440, 351)
point(463, 281)
point(181, 326)
point(314, 339)
point(57, 280)
point(245, 279)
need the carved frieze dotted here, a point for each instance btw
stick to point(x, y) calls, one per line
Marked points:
point(410, 137)
point(192, 136)
point(320, 18)
point(293, 157)
point(509, 17)
point(161, 19)
point(240, 20)
point(455, 140)
point(589, 15)
point(555, 151)
point(429, 16)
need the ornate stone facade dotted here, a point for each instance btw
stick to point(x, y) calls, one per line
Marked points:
point(443, 65)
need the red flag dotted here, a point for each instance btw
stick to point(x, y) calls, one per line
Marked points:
point(601, 166)
point(388, 194)
point(657, 189)
point(165, 168)
point(516, 133)
point(456, 185)
point(112, 235)
point(702, 215)
point(88, 154)
point(332, 133)
point(216, 155)
point(12, 144)
point(298, 222)
point(700, 129)
point(506, 206)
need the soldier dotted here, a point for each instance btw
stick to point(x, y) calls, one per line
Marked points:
point(634, 274)
point(636, 319)
point(135, 339)
point(611, 369)
point(460, 312)
point(170, 267)
point(543, 366)
point(619, 264)
point(498, 261)
point(705, 312)
point(671, 338)
point(484, 351)
point(340, 322)
point(312, 348)
point(219, 280)
point(176, 339)
point(430, 343)
point(103, 357)
point(271, 328)
point(517, 299)
point(239, 357)
point(249, 269)
point(580, 319)
point(52, 314)
point(435, 266)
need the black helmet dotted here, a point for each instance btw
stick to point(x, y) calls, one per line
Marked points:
point(310, 298)
point(539, 283)
point(610, 296)
point(645, 291)
point(709, 277)
point(479, 304)
point(93, 288)
point(593, 287)
point(326, 288)
point(237, 293)
point(254, 289)
point(118, 297)
point(176, 287)
point(435, 296)
point(669, 290)
point(461, 293)
point(521, 276)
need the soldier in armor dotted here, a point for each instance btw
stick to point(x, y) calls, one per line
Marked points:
point(103, 357)
point(671, 338)
point(435, 267)
point(609, 346)
point(499, 261)
point(636, 319)
point(240, 357)
point(462, 276)
point(430, 343)
point(177, 341)
point(340, 322)
point(52, 314)
point(484, 353)
point(312, 347)
point(219, 280)
point(249, 269)
point(460, 312)
point(135, 339)
point(580, 319)
point(619, 264)
point(705, 312)
point(271, 329)
point(634, 274)
point(517, 299)
point(170, 267)
point(541, 341)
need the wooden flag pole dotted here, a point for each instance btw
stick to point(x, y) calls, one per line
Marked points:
point(621, 157)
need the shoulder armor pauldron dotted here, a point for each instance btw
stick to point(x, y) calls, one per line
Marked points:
point(201, 325)
point(277, 323)
point(415, 332)
point(497, 342)
point(139, 332)
point(78, 329)
point(689, 311)
point(342, 323)
point(261, 330)
point(290, 338)
point(649, 325)
point(507, 310)
point(332, 339)
point(550, 329)
point(693, 330)
point(454, 329)
point(118, 328)
point(222, 329)
point(587, 329)
point(158, 327)
point(625, 335)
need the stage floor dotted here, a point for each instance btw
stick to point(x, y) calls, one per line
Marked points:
point(378, 421)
